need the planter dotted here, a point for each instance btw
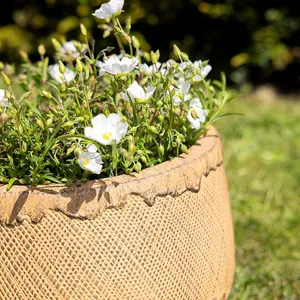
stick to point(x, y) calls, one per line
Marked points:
point(165, 233)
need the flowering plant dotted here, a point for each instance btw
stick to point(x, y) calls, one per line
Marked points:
point(91, 115)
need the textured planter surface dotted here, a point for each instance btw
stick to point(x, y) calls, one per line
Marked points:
point(165, 233)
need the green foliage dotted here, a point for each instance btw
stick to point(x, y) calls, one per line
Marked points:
point(262, 161)
point(101, 111)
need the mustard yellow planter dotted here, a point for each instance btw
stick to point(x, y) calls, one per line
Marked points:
point(165, 233)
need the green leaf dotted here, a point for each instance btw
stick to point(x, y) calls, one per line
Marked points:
point(10, 183)
point(51, 178)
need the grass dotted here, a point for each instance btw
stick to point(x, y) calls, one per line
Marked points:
point(262, 161)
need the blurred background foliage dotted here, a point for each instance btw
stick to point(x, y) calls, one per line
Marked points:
point(254, 42)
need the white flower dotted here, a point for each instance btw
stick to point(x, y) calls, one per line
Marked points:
point(3, 99)
point(90, 160)
point(135, 91)
point(68, 48)
point(105, 130)
point(109, 9)
point(196, 114)
point(150, 69)
point(203, 70)
point(181, 92)
point(116, 66)
point(55, 74)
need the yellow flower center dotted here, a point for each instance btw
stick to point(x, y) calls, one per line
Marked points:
point(107, 136)
point(85, 161)
point(194, 113)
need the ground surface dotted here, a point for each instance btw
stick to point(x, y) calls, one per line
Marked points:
point(262, 160)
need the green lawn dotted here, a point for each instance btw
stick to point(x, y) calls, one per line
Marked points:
point(262, 160)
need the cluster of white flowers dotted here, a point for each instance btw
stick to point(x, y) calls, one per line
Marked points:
point(110, 129)
point(3, 99)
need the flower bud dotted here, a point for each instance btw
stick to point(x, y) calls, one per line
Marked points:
point(40, 124)
point(6, 79)
point(161, 150)
point(63, 87)
point(147, 56)
point(79, 65)
point(24, 146)
point(62, 68)
point(56, 44)
point(144, 159)
point(26, 95)
point(54, 110)
point(24, 55)
point(153, 129)
point(137, 166)
point(77, 151)
point(176, 50)
point(70, 150)
point(41, 50)
point(184, 149)
point(184, 56)
point(3, 118)
point(161, 118)
point(154, 56)
point(159, 104)
point(67, 124)
point(49, 122)
point(136, 43)
point(106, 110)
point(46, 94)
point(83, 29)
point(128, 24)
point(131, 148)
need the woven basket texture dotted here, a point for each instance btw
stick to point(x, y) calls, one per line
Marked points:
point(177, 245)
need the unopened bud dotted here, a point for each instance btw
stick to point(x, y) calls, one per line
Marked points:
point(136, 43)
point(184, 149)
point(54, 110)
point(161, 149)
point(154, 56)
point(137, 166)
point(62, 68)
point(6, 79)
point(3, 118)
point(159, 104)
point(77, 151)
point(70, 150)
point(56, 44)
point(144, 159)
point(40, 124)
point(63, 87)
point(153, 129)
point(26, 95)
point(79, 65)
point(46, 94)
point(161, 118)
point(24, 55)
point(128, 24)
point(131, 148)
point(41, 50)
point(184, 56)
point(176, 50)
point(49, 122)
point(67, 124)
point(147, 56)
point(83, 29)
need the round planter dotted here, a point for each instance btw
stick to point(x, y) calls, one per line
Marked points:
point(163, 233)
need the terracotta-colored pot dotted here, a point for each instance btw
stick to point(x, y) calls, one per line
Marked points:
point(164, 233)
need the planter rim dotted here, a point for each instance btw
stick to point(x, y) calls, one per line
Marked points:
point(90, 199)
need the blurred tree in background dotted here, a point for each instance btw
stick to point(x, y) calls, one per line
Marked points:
point(253, 41)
